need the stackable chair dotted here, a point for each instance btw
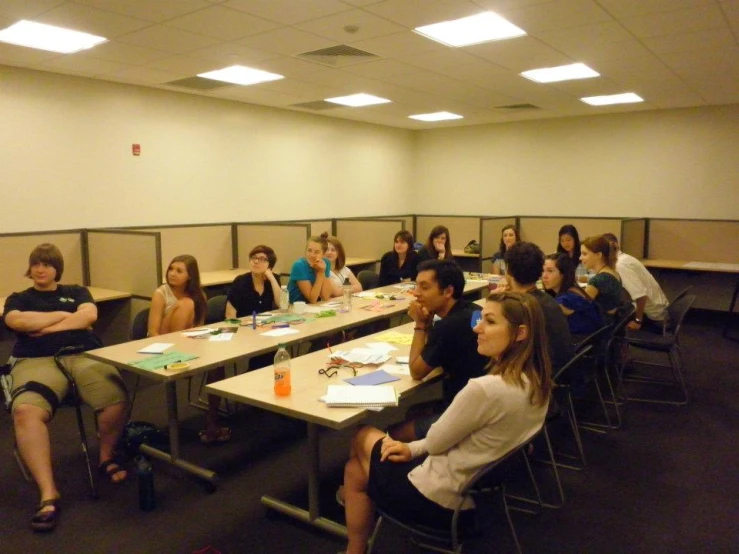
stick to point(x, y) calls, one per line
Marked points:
point(368, 279)
point(72, 399)
point(668, 343)
point(488, 481)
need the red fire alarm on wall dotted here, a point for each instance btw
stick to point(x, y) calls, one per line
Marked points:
point(136, 149)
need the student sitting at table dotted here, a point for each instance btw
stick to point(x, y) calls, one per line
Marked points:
point(46, 318)
point(180, 304)
point(257, 291)
point(310, 276)
point(525, 262)
point(438, 246)
point(340, 273)
point(448, 343)
point(605, 285)
point(569, 243)
point(400, 263)
point(508, 237)
point(420, 482)
point(583, 315)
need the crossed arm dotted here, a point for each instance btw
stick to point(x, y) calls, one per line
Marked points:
point(44, 323)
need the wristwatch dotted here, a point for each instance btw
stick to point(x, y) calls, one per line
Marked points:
point(637, 320)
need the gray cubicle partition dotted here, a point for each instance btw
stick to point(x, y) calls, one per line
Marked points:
point(462, 228)
point(544, 231)
point(490, 233)
point(367, 238)
point(16, 247)
point(286, 239)
point(633, 237)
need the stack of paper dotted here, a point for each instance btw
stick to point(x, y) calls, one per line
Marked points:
point(358, 396)
point(364, 356)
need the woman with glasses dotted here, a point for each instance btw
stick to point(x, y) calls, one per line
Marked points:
point(257, 291)
point(310, 276)
point(420, 482)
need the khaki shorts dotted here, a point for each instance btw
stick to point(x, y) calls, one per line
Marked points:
point(99, 385)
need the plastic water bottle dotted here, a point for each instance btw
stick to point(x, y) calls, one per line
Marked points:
point(346, 299)
point(282, 371)
point(147, 494)
point(284, 298)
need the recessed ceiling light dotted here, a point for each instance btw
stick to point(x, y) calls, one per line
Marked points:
point(625, 98)
point(474, 29)
point(241, 75)
point(436, 116)
point(358, 100)
point(560, 73)
point(47, 37)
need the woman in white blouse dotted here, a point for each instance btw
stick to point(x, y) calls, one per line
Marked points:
point(420, 482)
point(340, 273)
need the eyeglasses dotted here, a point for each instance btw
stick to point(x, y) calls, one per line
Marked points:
point(259, 259)
point(332, 369)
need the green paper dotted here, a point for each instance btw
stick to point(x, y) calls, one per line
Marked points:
point(162, 360)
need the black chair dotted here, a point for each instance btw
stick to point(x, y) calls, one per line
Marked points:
point(668, 343)
point(368, 279)
point(139, 327)
point(72, 399)
point(216, 309)
point(488, 480)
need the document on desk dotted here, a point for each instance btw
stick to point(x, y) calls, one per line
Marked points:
point(221, 337)
point(396, 337)
point(378, 377)
point(280, 332)
point(156, 348)
point(196, 333)
point(396, 369)
point(364, 356)
point(383, 347)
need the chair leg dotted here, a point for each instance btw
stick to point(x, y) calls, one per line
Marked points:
point(510, 521)
point(85, 450)
point(594, 426)
point(675, 366)
point(374, 535)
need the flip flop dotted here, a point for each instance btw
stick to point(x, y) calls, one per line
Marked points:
point(223, 435)
point(46, 520)
point(111, 468)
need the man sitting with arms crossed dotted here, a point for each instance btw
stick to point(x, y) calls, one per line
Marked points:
point(651, 303)
point(525, 264)
point(449, 343)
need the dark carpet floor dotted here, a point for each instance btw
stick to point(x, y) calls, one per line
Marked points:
point(667, 482)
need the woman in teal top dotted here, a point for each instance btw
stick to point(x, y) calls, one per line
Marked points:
point(605, 286)
point(310, 276)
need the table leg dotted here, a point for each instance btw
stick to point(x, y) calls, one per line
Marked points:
point(173, 457)
point(731, 311)
point(311, 516)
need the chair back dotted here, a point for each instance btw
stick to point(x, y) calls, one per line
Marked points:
point(496, 472)
point(140, 325)
point(368, 279)
point(677, 311)
point(574, 370)
point(216, 309)
point(682, 293)
point(595, 339)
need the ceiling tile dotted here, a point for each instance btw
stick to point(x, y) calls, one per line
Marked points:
point(414, 13)
point(287, 41)
point(157, 11)
point(289, 66)
point(520, 54)
point(232, 53)
point(558, 14)
point(676, 21)
point(144, 75)
point(630, 8)
point(115, 51)
point(361, 2)
point(91, 20)
point(168, 39)
point(731, 11)
point(581, 38)
point(332, 27)
point(404, 43)
point(19, 55)
point(26, 9)
point(184, 64)
point(222, 23)
point(380, 68)
point(693, 66)
point(256, 95)
point(289, 12)
point(437, 60)
point(84, 66)
point(686, 42)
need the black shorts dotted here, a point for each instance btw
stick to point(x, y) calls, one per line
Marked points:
point(391, 491)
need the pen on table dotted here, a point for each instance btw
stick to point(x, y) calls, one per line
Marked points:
point(328, 345)
point(254, 319)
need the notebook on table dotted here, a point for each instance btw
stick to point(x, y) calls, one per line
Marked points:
point(361, 396)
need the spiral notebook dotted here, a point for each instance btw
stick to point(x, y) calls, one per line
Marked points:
point(360, 396)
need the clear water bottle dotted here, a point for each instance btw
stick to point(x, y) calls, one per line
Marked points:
point(581, 273)
point(282, 371)
point(147, 494)
point(284, 298)
point(346, 299)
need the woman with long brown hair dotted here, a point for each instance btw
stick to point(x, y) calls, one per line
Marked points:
point(420, 481)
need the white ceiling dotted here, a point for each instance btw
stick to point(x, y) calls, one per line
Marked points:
point(674, 53)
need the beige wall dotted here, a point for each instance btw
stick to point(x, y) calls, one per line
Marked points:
point(671, 163)
point(66, 151)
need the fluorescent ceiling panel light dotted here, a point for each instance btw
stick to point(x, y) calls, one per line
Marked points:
point(436, 116)
point(358, 100)
point(474, 29)
point(47, 37)
point(560, 73)
point(625, 98)
point(241, 75)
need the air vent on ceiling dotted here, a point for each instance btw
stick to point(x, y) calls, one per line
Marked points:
point(317, 105)
point(338, 56)
point(198, 83)
point(517, 107)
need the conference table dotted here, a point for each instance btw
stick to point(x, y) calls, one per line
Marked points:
point(247, 343)
point(255, 388)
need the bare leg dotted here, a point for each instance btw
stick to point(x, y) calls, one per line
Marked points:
point(180, 318)
point(404, 432)
point(111, 421)
point(32, 435)
point(360, 511)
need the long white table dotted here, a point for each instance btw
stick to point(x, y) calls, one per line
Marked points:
point(256, 388)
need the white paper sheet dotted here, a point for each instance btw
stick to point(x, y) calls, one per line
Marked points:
point(196, 332)
point(396, 369)
point(403, 359)
point(156, 348)
point(221, 337)
point(280, 332)
point(384, 347)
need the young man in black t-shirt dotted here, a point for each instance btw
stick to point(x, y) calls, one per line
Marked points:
point(46, 318)
point(448, 343)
